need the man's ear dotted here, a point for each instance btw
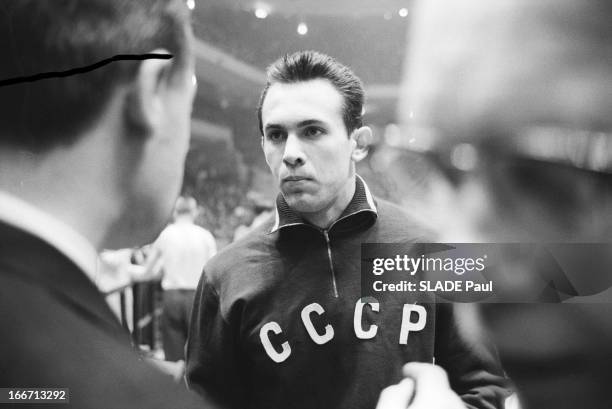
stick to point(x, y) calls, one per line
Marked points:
point(144, 102)
point(263, 149)
point(362, 137)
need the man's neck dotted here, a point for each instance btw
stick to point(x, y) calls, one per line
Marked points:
point(184, 219)
point(57, 184)
point(325, 217)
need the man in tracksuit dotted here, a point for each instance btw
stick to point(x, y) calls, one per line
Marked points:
point(279, 320)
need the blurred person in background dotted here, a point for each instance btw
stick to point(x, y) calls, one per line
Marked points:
point(276, 321)
point(184, 248)
point(117, 269)
point(146, 295)
point(244, 216)
point(512, 100)
point(87, 162)
point(123, 269)
point(254, 214)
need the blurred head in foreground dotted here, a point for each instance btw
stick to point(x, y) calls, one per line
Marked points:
point(511, 101)
point(102, 149)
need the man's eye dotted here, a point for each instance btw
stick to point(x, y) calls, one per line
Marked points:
point(275, 136)
point(312, 131)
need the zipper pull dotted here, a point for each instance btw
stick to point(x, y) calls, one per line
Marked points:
point(331, 263)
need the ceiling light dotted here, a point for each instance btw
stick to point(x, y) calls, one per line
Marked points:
point(191, 4)
point(302, 29)
point(403, 12)
point(464, 157)
point(261, 13)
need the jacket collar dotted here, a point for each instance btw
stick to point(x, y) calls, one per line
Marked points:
point(28, 218)
point(362, 202)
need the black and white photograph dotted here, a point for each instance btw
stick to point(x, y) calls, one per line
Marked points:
point(305, 204)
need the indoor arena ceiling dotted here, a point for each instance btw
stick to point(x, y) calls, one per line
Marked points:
point(240, 38)
point(318, 7)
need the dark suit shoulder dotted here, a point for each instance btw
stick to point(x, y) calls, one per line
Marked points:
point(49, 342)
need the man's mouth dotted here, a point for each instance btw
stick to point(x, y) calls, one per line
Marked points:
point(294, 178)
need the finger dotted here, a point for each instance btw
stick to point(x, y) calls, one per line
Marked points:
point(396, 396)
point(153, 257)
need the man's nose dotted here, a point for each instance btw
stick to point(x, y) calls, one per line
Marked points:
point(293, 155)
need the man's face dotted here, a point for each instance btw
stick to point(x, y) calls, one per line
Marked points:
point(306, 143)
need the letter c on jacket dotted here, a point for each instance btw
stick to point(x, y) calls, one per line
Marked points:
point(359, 331)
point(277, 357)
point(329, 331)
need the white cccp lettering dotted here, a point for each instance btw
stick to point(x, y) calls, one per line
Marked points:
point(409, 326)
point(277, 357)
point(359, 331)
point(329, 331)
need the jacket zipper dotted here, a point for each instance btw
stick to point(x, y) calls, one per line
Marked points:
point(331, 263)
point(329, 253)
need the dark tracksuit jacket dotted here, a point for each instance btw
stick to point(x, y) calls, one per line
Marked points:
point(277, 321)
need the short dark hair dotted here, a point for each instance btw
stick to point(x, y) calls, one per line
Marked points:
point(310, 65)
point(50, 36)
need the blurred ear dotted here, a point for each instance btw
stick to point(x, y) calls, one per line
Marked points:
point(144, 102)
point(362, 138)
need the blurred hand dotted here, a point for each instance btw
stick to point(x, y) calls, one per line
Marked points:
point(425, 387)
point(150, 269)
point(174, 369)
point(396, 396)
